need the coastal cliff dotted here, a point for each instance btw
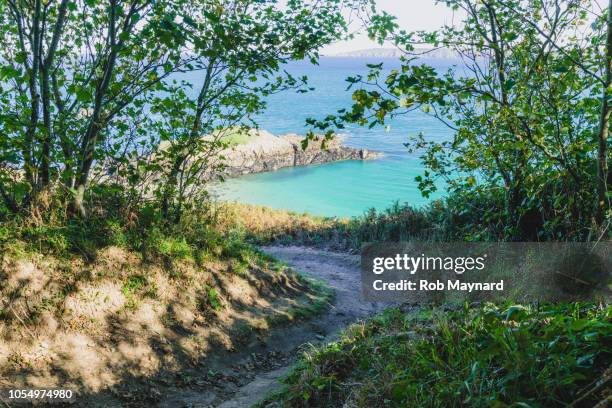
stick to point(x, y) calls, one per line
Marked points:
point(266, 152)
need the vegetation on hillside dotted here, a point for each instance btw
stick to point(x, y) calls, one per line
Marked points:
point(113, 267)
point(529, 106)
point(442, 220)
point(483, 356)
point(108, 242)
point(150, 302)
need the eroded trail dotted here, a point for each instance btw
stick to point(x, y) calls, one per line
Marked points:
point(340, 271)
point(245, 376)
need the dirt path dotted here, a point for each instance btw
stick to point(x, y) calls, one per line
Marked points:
point(340, 271)
point(243, 376)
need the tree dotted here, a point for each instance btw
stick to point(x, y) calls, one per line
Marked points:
point(70, 69)
point(243, 47)
point(598, 68)
point(523, 112)
point(75, 74)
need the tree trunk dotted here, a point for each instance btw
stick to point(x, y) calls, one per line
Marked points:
point(29, 167)
point(514, 182)
point(604, 126)
point(45, 160)
point(79, 201)
point(169, 190)
point(45, 67)
point(90, 139)
point(172, 182)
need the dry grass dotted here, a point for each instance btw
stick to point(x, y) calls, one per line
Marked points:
point(263, 225)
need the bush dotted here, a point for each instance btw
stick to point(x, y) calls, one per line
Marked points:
point(213, 300)
point(171, 247)
point(488, 356)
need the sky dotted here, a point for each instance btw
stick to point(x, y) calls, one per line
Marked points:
point(412, 15)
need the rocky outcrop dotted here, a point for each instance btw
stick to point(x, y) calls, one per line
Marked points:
point(268, 153)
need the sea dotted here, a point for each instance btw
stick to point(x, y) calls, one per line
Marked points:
point(346, 188)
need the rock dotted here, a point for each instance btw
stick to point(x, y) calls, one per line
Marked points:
point(267, 152)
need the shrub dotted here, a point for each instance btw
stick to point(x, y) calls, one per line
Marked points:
point(488, 356)
point(212, 298)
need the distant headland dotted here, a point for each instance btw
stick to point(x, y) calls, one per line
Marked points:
point(429, 53)
point(260, 151)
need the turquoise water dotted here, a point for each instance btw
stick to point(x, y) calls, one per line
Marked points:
point(344, 188)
